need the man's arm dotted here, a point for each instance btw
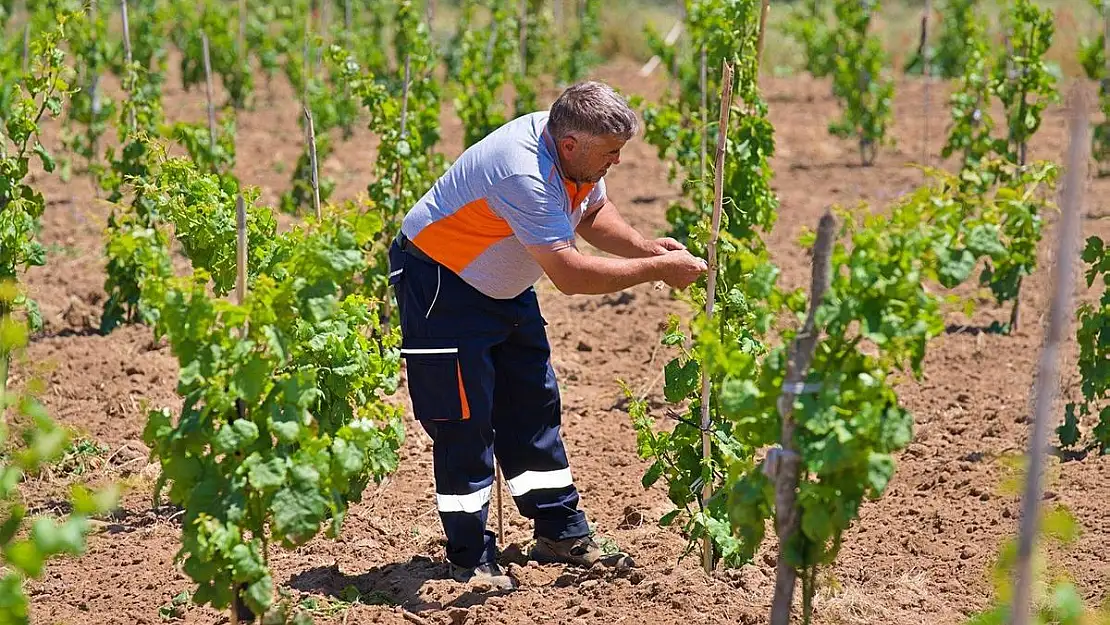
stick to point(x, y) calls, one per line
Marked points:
point(573, 272)
point(607, 230)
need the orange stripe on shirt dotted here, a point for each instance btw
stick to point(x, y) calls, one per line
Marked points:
point(457, 239)
point(577, 193)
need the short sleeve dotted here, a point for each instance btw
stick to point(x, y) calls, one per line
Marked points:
point(536, 215)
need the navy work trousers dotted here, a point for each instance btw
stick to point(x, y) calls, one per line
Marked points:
point(481, 383)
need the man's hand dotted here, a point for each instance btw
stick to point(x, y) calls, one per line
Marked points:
point(658, 247)
point(681, 268)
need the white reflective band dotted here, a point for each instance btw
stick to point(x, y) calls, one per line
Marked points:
point(536, 480)
point(444, 350)
point(464, 503)
point(395, 273)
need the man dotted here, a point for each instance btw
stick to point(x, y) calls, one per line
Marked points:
point(478, 360)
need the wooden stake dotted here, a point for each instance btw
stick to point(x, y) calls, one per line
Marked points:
point(307, 71)
point(711, 288)
point(347, 17)
point(94, 95)
point(1106, 41)
point(430, 13)
point(764, 12)
point(784, 465)
point(240, 250)
point(398, 179)
point(127, 53)
point(1060, 313)
point(703, 111)
point(500, 508)
point(312, 157)
point(208, 92)
point(927, 72)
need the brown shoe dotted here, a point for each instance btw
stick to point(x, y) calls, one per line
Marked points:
point(489, 575)
point(580, 551)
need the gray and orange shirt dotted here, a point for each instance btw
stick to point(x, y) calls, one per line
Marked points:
point(504, 194)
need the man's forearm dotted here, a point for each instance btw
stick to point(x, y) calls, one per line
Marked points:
point(609, 232)
point(592, 275)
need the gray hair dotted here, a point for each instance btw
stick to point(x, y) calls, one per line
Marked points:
point(592, 108)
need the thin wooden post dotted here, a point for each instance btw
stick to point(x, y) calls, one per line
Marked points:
point(1060, 313)
point(347, 17)
point(703, 112)
point(927, 68)
point(94, 97)
point(307, 71)
point(240, 250)
point(398, 179)
point(127, 53)
point(711, 290)
point(784, 464)
point(430, 13)
point(312, 160)
point(208, 91)
point(1106, 41)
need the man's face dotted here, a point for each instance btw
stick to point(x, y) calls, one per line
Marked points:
point(586, 158)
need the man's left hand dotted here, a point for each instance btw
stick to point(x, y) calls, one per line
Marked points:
point(658, 247)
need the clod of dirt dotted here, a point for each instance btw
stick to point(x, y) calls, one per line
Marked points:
point(584, 347)
point(458, 616)
point(633, 518)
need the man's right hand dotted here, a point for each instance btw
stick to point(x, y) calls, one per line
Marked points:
point(681, 268)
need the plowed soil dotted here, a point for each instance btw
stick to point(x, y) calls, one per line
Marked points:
point(922, 554)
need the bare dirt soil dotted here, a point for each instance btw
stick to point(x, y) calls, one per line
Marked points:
point(921, 554)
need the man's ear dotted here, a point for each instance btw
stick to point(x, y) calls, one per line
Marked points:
point(569, 143)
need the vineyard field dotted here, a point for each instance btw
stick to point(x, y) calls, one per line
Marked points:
point(921, 554)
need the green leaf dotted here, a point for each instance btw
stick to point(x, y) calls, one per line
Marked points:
point(235, 436)
point(259, 595)
point(652, 475)
point(880, 468)
point(1068, 431)
point(267, 475)
point(681, 379)
point(668, 519)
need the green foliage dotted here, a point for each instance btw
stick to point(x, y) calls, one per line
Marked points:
point(581, 52)
point(746, 296)
point(1092, 57)
point(39, 95)
point(972, 125)
point(220, 22)
point(808, 24)
point(725, 31)
point(93, 53)
point(1022, 81)
point(213, 156)
point(539, 55)
point(485, 60)
point(865, 95)
point(283, 423)
point(961, 21)
point(26, 543)
point(1093, 336)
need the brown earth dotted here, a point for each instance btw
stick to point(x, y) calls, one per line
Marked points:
point(921, 554)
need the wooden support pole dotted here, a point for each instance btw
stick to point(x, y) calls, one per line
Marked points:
point(312, 160)
point(240, 250)
point(127, 54)
point(711, 291)
point(703, 112)
point(763, 14)
point(1060, 313)
point(398, 176)
point(783, 465)
point(926, 70)
point(208, 91)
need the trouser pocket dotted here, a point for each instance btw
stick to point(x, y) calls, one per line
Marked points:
point(435, 379)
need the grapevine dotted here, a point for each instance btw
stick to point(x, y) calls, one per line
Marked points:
point(808, 24)
point(41, 95)
point(961, 24)
point(484, 67)
point(1092, 56)
point(1093, 336)
point(746, 295)
point(866, 96)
